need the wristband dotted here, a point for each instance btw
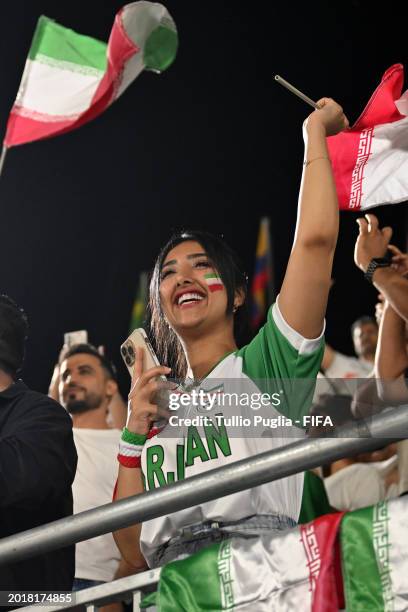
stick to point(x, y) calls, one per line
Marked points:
point(133, 438)
point(375, 263)
point(130, 462)
point(130, 448)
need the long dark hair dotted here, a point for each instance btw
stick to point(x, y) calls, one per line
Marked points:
point(229, 267)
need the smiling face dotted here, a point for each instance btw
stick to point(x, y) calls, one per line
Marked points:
point(84, 384)
point(191, 292)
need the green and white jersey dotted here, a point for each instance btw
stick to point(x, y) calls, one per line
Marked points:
point(270, 362)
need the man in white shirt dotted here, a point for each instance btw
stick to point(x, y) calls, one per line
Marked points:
point(364, 332)
point(87, 384)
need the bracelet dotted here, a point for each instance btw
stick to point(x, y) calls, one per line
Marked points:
point(307, 162)
point(130, 448)
point(130, 462)
point(133, 438)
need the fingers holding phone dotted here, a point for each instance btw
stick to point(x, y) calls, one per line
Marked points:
point(146, 386)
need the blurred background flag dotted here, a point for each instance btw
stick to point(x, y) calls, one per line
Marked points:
point(262, 290)
point(70, 78)
point(140, 303)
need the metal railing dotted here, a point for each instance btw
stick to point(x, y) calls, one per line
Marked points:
point(360, 436)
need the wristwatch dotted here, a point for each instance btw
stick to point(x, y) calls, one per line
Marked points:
point(377, 262)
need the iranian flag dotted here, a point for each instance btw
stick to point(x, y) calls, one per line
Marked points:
point(292, 571)
point(370, 161)
point(213, 281)
point(70, 78)
point(374, 543)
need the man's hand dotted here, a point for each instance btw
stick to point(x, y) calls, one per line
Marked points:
point(371, 242)
point(399, 260)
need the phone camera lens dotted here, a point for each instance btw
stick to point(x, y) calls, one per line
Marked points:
point(124, 351)
point(128, 360)
point(131, 351)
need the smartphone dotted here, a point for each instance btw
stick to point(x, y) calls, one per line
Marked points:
point(128, 351)
point(76, 337)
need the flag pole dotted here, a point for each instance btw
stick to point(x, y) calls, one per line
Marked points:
point(295, 91)
point(3, 157)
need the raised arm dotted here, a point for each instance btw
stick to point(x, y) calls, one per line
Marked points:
point(373, 243)
point(391, 359)
point(304, 293)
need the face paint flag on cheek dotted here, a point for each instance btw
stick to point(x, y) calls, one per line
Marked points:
point(214, 282)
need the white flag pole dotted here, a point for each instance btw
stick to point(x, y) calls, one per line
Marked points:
point(295, 91)
point(3, 157)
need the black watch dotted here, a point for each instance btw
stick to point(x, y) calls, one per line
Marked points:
point(377, 262)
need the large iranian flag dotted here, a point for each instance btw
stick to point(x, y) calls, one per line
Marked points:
point(70, 78)
point(297, 570)
point(370, 161)
point(374, 543)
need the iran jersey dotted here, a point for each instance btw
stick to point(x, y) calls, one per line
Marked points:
point(252, 401)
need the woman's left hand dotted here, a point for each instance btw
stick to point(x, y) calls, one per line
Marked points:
point(329, 115)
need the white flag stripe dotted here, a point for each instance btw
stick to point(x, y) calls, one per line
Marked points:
point(125, 448)
point(139, 19)
point(132, 69)
point(57, 91)
point(402, 103)
point(279, 573)
point(398, 552)
point(385, 178)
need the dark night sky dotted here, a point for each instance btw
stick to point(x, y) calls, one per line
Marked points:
point(212, 143)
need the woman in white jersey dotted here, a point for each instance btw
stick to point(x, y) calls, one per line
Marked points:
point(196, 293)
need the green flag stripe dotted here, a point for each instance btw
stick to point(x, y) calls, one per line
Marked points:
point(184, 585)
point(160, 49)
point(65, 45)
point(362, 583)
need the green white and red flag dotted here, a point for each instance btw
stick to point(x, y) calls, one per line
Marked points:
point(370, 160)
point(213, 281)
point(70, 78)
point(374, 544)
point(292, 571)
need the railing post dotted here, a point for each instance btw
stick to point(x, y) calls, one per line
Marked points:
point(137, 598)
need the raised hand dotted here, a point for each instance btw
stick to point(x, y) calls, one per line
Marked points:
point(330, 116)
point(371, 242)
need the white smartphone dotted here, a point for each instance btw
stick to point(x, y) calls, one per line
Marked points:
point(128, 351)
point(76, 337)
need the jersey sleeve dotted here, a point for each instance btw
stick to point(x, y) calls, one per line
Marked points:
point(279, 358)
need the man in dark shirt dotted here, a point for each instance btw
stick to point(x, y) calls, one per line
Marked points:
point(37, 463)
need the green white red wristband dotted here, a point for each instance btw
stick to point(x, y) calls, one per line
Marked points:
point(130, 449)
